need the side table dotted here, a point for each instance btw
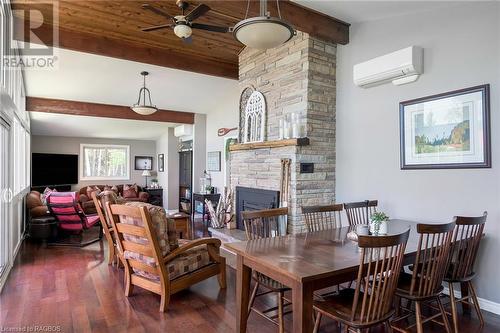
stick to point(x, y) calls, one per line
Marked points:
point(182, 224)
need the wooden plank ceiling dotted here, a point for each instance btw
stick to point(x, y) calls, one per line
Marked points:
point(113, 28)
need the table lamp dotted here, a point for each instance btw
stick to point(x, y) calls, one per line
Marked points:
point(146, 174)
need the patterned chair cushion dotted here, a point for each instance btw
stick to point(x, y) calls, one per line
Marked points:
point(188, 262)
point(163, 227)
point(109, 196)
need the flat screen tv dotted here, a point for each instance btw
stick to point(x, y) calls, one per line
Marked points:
point(54, 169)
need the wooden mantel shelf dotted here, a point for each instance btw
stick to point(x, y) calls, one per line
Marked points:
point(270, 144)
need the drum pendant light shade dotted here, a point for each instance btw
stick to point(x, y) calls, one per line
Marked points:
point(263, 32)
point(142, 107)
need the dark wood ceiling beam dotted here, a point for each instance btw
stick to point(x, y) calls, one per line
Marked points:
point(75, 108)
point(116, 48)
point(307, 20)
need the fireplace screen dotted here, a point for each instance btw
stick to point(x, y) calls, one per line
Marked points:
point(254, 199)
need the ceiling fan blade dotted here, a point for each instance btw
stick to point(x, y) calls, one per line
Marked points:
point(157, 27)
point(188, 40)
point(208, 27)
point(157, 11)
point(198, 11)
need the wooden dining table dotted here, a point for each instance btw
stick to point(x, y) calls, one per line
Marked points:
point(305, 262)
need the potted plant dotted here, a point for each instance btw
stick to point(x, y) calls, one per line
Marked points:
point(378, 225)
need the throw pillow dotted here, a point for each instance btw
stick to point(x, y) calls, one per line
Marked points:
point(92, 189)
point(46, 194)
point(129, 191)
point(108, 196)
point(115, 189)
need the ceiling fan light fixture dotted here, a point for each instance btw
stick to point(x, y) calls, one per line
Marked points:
point(183, 30)
point(263, 32)
point(142, 107)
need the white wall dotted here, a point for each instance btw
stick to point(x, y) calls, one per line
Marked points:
point(172, 168)
point(162, 148)
point(70, 145)
point(226, 115)
point(461, 50)
point(169, 179)
point(199, 149)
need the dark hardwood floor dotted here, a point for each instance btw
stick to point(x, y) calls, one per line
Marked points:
point(74, 290)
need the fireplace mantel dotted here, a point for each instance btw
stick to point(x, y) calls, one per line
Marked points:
point(270, 144)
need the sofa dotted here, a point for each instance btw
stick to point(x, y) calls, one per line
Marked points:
point(35, 206)
point(87, 203)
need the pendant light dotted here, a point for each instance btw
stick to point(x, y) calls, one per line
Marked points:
point(263, 32)
point(142, 107)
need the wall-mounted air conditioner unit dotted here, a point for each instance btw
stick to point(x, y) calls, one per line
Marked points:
point(183, 130)
point(400, 67)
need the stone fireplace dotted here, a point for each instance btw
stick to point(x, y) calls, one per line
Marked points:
point(298, 77)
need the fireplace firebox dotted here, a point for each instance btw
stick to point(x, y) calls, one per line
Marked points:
point(254, 199)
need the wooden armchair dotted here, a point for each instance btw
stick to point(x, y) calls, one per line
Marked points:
point(153, 259)
point(107, 226)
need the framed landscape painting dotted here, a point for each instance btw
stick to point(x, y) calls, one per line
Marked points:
point(447, 131)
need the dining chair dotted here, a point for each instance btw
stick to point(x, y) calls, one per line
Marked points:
point(70, 218)
point(107, 226)
point(360, 212)
point(424, 283)
point(466, 239)
point(370, 303)
point(322, 217)
point(153, 257)
point(266, 224)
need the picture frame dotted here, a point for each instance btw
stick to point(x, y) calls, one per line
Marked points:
point(143, 163)
point(446, 131)
point(161, 162)
point(213, 160)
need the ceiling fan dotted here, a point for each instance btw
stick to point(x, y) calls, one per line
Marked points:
point(183, 24)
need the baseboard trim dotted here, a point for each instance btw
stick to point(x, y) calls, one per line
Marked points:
point(485, 304)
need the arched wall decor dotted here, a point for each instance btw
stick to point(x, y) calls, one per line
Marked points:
point(255, 118)
point(244, 97)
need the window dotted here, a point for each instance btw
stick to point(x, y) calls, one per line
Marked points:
point(99, 162)
point(20, 157)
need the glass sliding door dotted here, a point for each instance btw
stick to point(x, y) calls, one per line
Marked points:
point(5, 196)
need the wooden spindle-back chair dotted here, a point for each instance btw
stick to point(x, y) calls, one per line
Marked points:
point(466, 241)
point(263, 224)
point(371, 302)
point(424, 284)
point(360, 212)
point(323, 217)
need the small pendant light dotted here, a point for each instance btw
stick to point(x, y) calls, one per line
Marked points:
point(141, 107)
